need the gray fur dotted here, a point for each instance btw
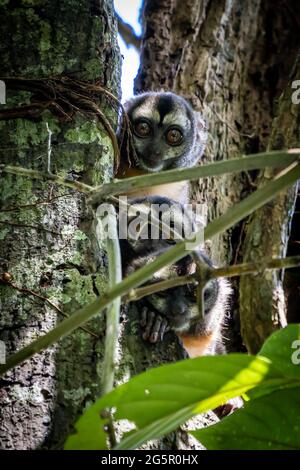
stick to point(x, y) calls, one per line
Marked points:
point(181, 309)
point(177, 305)
point(163, 111)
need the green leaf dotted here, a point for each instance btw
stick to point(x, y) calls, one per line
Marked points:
point(281, 348)
point(271, 422)
point(271, 419)
point(159, 400)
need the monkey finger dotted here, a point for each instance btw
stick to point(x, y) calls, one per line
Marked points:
point(156, 330)
point(164, 327)
point(143, 320)
point(149, 325)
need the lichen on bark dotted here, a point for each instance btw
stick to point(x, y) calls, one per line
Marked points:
point(49, 247)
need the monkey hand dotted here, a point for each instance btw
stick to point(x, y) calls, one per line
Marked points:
point(154, 325)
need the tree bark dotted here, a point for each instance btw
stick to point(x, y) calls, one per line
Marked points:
point(232, 60)
point(46, 240)
point(262, 300)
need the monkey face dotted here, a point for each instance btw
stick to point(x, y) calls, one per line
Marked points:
point(164, 131)
point(179, 305)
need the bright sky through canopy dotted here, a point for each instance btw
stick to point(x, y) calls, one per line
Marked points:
point(129, 12)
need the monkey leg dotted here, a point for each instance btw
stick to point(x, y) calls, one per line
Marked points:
point(229, 407)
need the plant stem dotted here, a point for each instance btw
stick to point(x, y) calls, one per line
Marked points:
point(256, 268)
point(139, 293)
point(246, 163)
point(113, 313)
point(233, 215)
point(213, 273)
point(250, 162)
point(248, 205)
point(38, 175)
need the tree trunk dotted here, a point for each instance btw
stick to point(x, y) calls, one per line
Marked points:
point(47, 244)
point(262, 299)
point(232, 60)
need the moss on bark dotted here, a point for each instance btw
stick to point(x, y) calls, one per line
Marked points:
point(49, 248)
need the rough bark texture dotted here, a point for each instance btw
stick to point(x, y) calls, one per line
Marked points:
point(50, 248)
point(267, 236)
point(232, 59)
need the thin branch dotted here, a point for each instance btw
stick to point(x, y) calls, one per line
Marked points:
point(256, 268)
point(32, 110)
point(251, 203)
point(250, 162)
point(6, 280)
point(43, 202)
point(213, 273)
point(113, 312)
point(137, 294)
point(38, 175)
point(233, 215)
point(128, 34)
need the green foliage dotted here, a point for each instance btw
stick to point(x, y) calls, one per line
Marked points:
point(271, 419)
point(158, 401)
point(269, 422)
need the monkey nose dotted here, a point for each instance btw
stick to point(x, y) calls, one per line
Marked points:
point(179, 308)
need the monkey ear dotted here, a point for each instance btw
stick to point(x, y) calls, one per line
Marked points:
point(128, 103)
point(201, 134)
point(201, 127)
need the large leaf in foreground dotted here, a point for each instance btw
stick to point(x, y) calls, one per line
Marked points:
point(271, 422)
point(271, 419)
point(159, 400)
point(279, 348)
point(167, 396)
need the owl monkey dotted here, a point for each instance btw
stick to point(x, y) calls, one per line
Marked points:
point(176, 308)
point(167, 134)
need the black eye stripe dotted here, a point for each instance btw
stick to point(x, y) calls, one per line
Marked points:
point(164, 106)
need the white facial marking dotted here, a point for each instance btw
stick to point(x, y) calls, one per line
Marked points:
point(153, 169)
point(179, 119)
point(146, 110)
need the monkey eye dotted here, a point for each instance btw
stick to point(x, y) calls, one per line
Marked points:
point(174, 136)
point(142, 129)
